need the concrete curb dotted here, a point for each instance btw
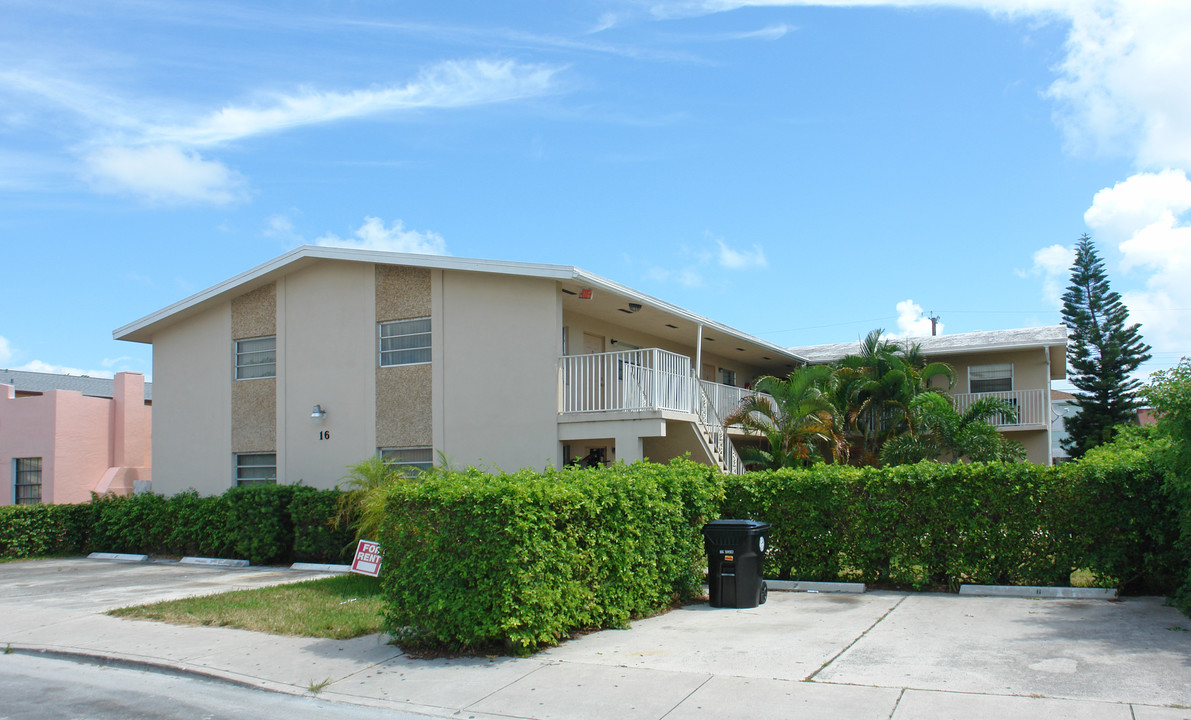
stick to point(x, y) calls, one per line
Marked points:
point(131, 663)
point(126, 557)
point(1033, 591)
point(815, 587)
point(321, 567)
point(217, 562)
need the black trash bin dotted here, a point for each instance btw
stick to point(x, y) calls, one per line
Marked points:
point(735, 549)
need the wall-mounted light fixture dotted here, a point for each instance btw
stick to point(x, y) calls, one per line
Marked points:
point(634, 307)
point(317, 414)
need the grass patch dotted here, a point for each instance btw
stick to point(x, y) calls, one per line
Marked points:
point(338, 607)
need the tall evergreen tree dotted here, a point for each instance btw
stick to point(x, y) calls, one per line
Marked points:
point(1102, 351)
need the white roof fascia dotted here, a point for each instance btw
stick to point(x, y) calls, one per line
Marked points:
point(842, 349)
point(441, 262)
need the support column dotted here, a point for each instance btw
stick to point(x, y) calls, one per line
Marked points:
point(629, 448)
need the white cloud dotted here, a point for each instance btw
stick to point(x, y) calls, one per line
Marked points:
point(1122, 87)
point(1142, 200)
point(164, 174)
point(130, 149)
point(740, 259)
point(373, 235)
point(1053, 266)
point(911, 323)
point(1144, 216)
point(690, 277)
point(41, 367)
point(771, 32)
point(281, 227)
point(444, 85)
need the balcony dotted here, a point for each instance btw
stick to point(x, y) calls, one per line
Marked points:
point(1031, 406)
point(627, 381)
point(650, 380)
point(635, 380)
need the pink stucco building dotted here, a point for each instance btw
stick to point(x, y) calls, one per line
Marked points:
point(59, 446)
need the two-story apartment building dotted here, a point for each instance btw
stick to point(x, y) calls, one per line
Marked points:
point(1014, 365)
point(323, 357)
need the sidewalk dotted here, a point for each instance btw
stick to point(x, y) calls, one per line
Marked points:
point(879, 655)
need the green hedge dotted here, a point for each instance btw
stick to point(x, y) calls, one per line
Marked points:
point(935, 525)
point(523, 559)
point(32, 530)
point(264, 524)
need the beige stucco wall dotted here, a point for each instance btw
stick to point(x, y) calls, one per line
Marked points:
point(254, 314)
point(254, 415)
point(192, 376)
point(1037, 445)
point(402, 293)
point(1029, 368)
point(404, 409)
point(497, 342)
point(327, 337)
point(254, 401)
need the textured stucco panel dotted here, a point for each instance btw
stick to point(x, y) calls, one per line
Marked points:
point(403, 409)
point(254, 415)
point(254, 314)
point(402, 292)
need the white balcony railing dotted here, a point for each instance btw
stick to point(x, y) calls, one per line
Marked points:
point(1030, 406)
point(727, 398)
point(646, 379)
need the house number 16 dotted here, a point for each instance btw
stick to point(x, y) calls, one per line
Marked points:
point(324, 434)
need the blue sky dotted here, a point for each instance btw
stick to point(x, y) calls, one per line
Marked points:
point(802, 171)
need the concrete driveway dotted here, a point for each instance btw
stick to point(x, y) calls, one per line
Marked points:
point(876, 655)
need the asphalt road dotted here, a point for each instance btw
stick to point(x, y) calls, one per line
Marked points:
point(44, 688)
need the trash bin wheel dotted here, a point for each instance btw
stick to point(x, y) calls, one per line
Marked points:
point(764, 592)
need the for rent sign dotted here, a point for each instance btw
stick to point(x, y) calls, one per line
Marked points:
point(368, 558)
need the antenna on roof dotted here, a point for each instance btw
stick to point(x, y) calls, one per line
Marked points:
point(934, 323)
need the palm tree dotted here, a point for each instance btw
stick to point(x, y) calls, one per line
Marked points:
point(795, 416)
point(875, 388)
point(939, 432)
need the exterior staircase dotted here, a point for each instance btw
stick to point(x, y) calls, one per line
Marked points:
point(710, 429)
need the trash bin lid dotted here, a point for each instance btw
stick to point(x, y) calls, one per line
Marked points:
point(752, 527)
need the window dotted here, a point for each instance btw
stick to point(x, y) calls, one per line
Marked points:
point(256, 358)
point(408, 460)
point(256, 469)
point(28, 481)
point(405, 342)
point(990, 378)
point(727, 377)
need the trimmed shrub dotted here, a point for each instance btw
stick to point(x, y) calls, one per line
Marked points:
point(129, 524)
point(32, 530)
point(934, 525)
point(1129, 519)
point(260, 526)
point(197, 526)
point(524, 559)
point(311, 514)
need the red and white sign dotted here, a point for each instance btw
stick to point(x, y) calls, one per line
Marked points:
point(368, 558)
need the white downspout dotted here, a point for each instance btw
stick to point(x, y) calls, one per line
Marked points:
point(1050, 421)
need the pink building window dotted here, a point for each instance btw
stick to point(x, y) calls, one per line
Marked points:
point(28, 481)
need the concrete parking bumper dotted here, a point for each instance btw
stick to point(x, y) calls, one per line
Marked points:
point(877, 655)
